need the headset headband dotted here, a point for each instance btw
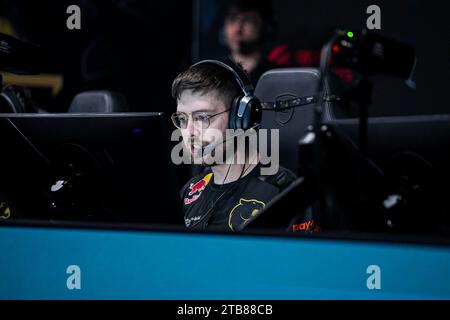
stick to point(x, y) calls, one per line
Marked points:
point(241, 77)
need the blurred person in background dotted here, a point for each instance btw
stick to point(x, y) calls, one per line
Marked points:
point(249, 25)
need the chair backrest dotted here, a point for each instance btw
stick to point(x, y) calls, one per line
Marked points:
point(101, 101)
point(282, 84)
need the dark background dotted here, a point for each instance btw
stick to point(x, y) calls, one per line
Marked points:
point(138, 47)
point(134, 47)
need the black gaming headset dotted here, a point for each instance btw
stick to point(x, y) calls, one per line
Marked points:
point(246, 109)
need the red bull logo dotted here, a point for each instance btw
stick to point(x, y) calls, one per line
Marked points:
point(195, 189)
point(198, 187)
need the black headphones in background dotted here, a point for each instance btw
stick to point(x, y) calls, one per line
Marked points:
point(246, 109)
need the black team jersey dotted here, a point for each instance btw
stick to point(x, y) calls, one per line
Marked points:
point(207, 205)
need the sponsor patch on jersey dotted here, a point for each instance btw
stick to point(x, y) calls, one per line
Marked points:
point(196, 189)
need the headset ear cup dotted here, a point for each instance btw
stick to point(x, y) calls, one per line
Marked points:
point(234, 121)
point(246, 118)
point(252, 115)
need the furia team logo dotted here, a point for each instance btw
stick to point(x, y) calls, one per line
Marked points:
point(5, 211)
point(243, 211)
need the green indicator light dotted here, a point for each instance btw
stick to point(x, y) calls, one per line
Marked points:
point(350, 34)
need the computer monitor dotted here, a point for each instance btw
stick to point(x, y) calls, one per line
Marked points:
point(401, 185)
point(89, 167)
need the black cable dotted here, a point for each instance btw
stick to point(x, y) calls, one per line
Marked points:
point(320, 202)
point(225, 192)
point(29, 143)
point(215, 202)
point(210, 211)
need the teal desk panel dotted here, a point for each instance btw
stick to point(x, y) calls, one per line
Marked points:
point(64, 263)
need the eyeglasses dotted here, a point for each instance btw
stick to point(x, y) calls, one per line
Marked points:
point(201, 119)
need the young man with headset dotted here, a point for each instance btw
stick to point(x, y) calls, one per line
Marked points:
point(218, 95)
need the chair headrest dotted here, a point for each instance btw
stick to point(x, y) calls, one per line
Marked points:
point(286, 84)
point(298, 82)
point(101, 101)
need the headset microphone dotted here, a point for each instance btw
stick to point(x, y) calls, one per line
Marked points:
point(210, 147)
